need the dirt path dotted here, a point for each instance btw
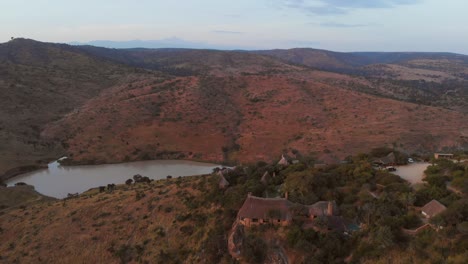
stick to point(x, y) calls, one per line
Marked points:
point(413, 172)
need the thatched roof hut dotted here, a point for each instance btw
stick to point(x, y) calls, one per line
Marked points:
point(223, 183)
point(323, 208)
point(385, 161)
point(433, 208)
point(258, 210)
point(283, 161)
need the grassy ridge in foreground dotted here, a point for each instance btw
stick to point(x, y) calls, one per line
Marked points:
point(145, 223)
point(187, 220)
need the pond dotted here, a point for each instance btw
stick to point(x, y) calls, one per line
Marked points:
point(57, 181)
point(413, 172)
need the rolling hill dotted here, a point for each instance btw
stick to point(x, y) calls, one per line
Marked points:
point(352, 61)
point(40, 82)
point(436, 79)
point(247, 118)
point(100, 105)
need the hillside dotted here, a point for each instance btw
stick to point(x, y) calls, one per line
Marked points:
point(352, 61)
point(141, 223)
point(40, 83)
point(245, 118)
point(93, 105)
point(437, 79)
point(190, 220)
point(20, 196)
point(186, 62)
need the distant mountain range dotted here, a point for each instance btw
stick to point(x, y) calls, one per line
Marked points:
point(156, 44)
point(100, 105)
point(342, 61)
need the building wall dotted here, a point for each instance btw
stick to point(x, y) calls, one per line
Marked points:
point(442, 156)
point(248, 222)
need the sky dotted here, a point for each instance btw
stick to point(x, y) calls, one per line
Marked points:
point(339, 25)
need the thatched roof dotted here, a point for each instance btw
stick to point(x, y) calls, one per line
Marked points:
point(321, 208)
point(336, 223)
point(433, 208)
point(283, 161)
point(389, 159)
point(223, 183)
point(265, 208)
point(224, 171)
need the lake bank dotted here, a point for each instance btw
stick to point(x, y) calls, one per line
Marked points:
point(57, 181)
point(11, 173)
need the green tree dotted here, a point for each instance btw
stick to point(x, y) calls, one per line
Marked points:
point(300, 187)
point(383, 236)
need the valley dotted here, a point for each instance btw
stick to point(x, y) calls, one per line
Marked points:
point(100, 105)
point(234, 132)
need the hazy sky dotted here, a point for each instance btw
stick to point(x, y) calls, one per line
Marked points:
point(341, 25)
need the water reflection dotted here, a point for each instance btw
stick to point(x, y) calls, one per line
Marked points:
point(58, 181)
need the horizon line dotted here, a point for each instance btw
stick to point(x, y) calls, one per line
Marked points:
point(87, 43)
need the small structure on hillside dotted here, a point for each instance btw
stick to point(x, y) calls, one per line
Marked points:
point(265, 178)
point(223, 183)
point(283, 161)
point(258, 210)
point(322, 208)
point(324, 217)
point(432, 209)
point(223, 171)
point(443, 156)
point(388, 160)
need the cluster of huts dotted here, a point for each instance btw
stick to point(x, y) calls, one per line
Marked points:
point(223, 183)
point(387, 162)
point(322, 216)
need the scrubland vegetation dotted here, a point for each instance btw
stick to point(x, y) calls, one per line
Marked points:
point(188, 219)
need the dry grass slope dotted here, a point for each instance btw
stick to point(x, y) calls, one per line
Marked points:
point(160, 222)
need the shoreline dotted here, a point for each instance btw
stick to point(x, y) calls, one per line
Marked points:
point(20, 170)
point(71, 163)
point(17, 171)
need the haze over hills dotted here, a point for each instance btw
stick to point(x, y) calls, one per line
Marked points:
point(439, 79)
point(330, 60)
point(109, 105)
point(173, 42)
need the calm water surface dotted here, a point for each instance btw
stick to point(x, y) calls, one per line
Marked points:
point(57, 181)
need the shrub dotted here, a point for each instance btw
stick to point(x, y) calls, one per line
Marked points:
point(411, 220)
point(187, 230)
point(124, 253)
point(183, 217)
point(139, 195)
point(160, 231)
point(254, 249)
